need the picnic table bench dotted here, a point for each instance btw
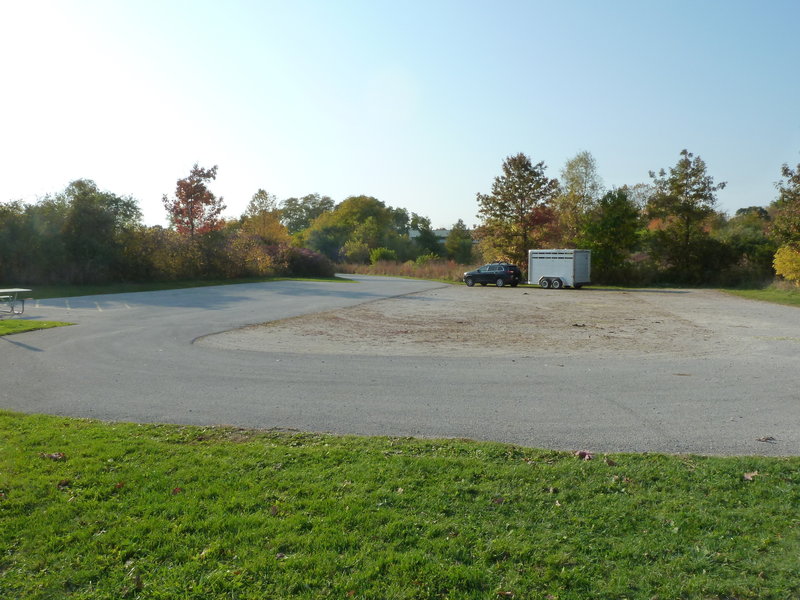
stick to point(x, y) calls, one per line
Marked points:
point(10, 301)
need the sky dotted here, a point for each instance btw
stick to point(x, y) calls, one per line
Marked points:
point(416, 103)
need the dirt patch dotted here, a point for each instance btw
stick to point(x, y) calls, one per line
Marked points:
point(461, 321)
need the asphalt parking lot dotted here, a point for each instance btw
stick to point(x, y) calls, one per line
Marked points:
point(679, 371)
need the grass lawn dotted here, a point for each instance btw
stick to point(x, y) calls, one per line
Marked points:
point(8, 326)
point(790, 297)
point(95, 510)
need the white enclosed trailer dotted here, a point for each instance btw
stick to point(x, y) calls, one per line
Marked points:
point(560, 267)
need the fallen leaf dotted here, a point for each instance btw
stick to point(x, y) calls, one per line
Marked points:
point(584, 455)
point(119, 485)
point(769, 439)
point(64, 484)
point(610, 462)
point(400, 490)
point(750, 476)
point(498, 500)
point(273, 510)
point(54, 456)
point(177, 490)
point(280, 556)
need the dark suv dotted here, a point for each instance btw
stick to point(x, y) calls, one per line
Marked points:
point(498, 273)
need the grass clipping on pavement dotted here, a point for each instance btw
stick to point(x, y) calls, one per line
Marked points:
point(96, 510)
point(9, 326)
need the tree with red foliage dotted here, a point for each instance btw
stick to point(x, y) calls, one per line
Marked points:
point(194, 209)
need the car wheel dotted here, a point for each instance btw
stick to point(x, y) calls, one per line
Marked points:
point(469, 281)
point(499, 282)
point(556, 284)
point(544, 283)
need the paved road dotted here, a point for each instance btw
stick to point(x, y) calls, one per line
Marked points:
point(131, 357)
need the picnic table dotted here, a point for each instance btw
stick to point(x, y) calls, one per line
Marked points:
point(10, 301)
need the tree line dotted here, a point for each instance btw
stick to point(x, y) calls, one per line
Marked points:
point(87, 235)
point(668, 230)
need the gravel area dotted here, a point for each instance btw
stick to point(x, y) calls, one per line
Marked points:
point(459, 321)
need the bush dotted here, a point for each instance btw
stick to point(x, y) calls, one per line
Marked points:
point(300, 262)
point(424, 259)
point(382, 254)
point(787, 263)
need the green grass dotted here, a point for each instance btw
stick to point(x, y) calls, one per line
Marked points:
point(66, 291)
point(788, 296)
point(9, 326)
point(163, 512)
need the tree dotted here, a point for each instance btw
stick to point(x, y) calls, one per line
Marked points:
point(361, 223)
point(611, 232)
point(426, 240)
point(786, 221)
point(518, 214)
point(746, 236)
point(194, 209)
point(298, 214)
point(262, 219)
point(680, 209)
point(91, 230)
point(458, 244)
point(261, 202)
point(581, 187)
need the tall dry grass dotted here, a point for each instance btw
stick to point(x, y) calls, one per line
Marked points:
point(445, 270)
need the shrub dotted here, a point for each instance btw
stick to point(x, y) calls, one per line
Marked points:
point(356, 252)
point(787, 263)
point(300, 262)
point(424, 259)
point(382, 254)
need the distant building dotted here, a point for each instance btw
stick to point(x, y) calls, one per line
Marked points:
point(441, 234)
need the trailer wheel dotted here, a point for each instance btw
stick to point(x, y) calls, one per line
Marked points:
point(499, 282)
point(544, 283)
point(556, 284)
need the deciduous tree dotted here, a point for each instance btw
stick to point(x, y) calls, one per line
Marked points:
point(518, 214)
point(298, 213)
point(458, 244)
point(581, 187)
point(425, 239)
point(683, 202)
point(263, 219)
point(195, 209)
point(91, 230)
point(786, 221)
point(611, 232)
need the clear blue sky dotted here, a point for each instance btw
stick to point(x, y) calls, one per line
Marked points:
point(416, 103)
